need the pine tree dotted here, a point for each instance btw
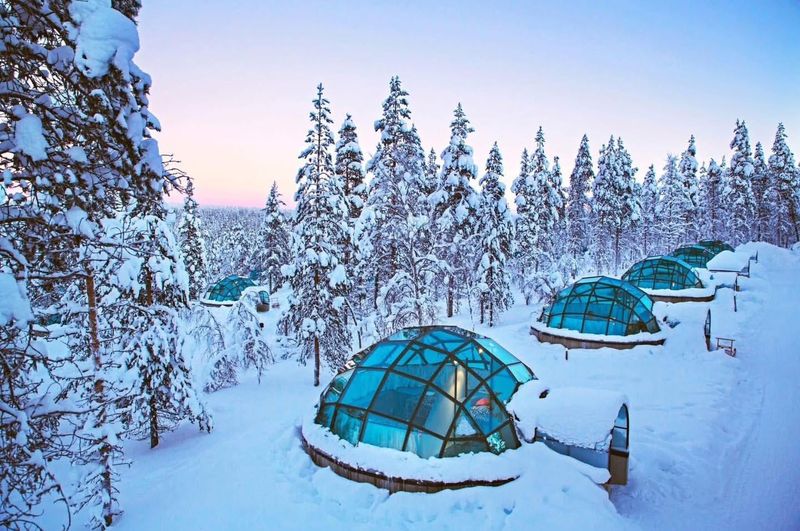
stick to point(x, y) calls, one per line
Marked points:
point(648, 204)
point(318, 278)
point(783, 192)
point(193, 246)
point(497, 242)
point(431, 173)
point(349, 167)
point(712, 207)
point(688, 172)
point(759, 182)
point(395, 189)
point(578, 210)
point(454, 207)
point(674, 207)
point(737, 193)
point(614, 204)
point(274, 240)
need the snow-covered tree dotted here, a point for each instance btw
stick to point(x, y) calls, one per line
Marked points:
point(759, 181)
point(613, 204)
point(687, 168)
point(317, 277)
point(578, 211)
point(431, 173)
point(648, 206)
point(272, 250)
point(349, 167)
point(737, 197)
point(674, 207)
point(454, 206)
point(193, 245)
point(395, 189)
point(783, 192)
point(497, 242)
point(711, 190)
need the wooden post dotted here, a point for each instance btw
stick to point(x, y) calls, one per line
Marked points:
point(566, 355)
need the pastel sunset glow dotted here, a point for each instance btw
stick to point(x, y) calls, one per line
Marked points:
point(652, 73)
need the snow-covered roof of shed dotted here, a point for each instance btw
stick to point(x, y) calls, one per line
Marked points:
point(729, 261)
point(572, 415)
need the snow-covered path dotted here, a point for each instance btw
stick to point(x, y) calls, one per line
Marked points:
point(764, 486)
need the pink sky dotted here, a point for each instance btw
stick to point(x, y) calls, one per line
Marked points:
point(232, 84)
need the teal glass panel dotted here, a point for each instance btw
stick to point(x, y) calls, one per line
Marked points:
point(435, 413)
point(384, 355)
point(384, 432)
point(424, 444)
point(398, 397)
point(347, 424)
point(362, 388)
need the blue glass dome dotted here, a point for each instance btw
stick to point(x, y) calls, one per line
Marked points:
point(694, 255)
point(602, 305)
point(715, 246)
point(662, 272)
point(435, 391)
point(228, 290)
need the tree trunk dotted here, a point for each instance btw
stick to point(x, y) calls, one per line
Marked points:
point(153, 420)
point(616, 250)
point(450, 296)
point(316, 361)
point(99, 392)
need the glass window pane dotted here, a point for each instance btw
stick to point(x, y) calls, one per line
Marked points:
point(424, 444)
point(347, 424)
point(435, 412)
point(362, 387)
point(383, 355)
point(398, 397)
point(384, 432)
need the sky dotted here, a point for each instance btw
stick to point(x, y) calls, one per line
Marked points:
point(233, 81)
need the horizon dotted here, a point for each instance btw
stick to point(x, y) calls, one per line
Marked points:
point(655, 77)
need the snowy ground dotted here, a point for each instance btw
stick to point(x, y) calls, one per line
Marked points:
point(713, 438)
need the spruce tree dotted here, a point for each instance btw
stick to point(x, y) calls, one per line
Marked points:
point(192, 244)
point(349, 167)
point(783, 192)
point(578, 210)
point(759, 182)
point(648, 204)
point(688, 172)
point(737, 197)
point(454, 207)
point(273, 250)
point(318, 277)
point(497, 242)
point(674, 207)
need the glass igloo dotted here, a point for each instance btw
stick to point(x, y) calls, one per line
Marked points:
point(694, 255)
point(227, 291)
point(436, 391)
point(715, 246)
point(662, 272)
point(602, 305)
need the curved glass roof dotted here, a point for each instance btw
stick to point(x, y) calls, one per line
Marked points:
point(662, 272)
point(715, 246)
point(229, 289)
point(436, 391)
point(694, 255)
point(602, 305)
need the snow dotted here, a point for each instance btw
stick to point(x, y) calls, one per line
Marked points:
point(572, 415)
point(395, 463)
point(713, 438)
point(695, 293)
point(105, 37)
point(29, 137)
point(574, 334)
point(729, 261)
point(13, 303)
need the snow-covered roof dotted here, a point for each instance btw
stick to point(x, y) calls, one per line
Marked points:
point(729, 261)
point(698, 293)
point(572, 415)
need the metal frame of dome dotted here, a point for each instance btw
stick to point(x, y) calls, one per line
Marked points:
point(435, 391)
point(715, 246)
point(662, 272)
point(227, 291)
point(599, 306)
point(694, 255)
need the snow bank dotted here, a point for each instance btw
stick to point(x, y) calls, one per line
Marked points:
point(582, 336)
point(105, 36)
point(483, 466)
point(572, 415)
